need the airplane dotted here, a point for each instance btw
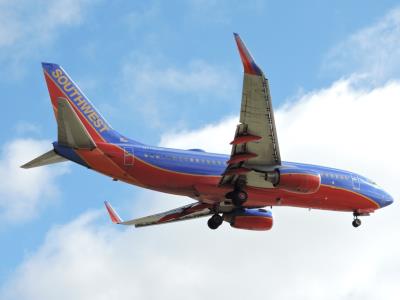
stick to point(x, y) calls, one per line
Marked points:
point(233, 188)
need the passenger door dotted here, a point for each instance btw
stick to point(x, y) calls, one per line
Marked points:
point(128, 156)
point(355, 182)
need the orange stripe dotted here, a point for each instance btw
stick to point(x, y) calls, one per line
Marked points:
point(353, 192)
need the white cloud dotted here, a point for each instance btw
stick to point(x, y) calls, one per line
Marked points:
point(212, 137)
point(24, 127)
point(149, 80)
point(307, 255)
point(197, 76)
point(27, 22)
point(24, 192)
point(26, 26)
point(374, 50)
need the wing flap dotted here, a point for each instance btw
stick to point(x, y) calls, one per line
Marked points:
point(257, 118)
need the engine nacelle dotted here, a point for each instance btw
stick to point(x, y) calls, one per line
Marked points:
point(298, 181)
point(250, 219)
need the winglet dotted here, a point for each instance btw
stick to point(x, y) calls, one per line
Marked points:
point(249, 65)
point(113, 214)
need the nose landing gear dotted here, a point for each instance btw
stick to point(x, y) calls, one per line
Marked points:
point(356, 222)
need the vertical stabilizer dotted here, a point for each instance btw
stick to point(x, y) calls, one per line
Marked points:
point(60, 85)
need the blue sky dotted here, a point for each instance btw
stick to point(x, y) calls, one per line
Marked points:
point(156, 69)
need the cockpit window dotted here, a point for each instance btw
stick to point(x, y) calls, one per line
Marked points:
point(368, 180)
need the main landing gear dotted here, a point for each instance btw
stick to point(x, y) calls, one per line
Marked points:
point(356, 222)
point(238, 197)
point(215, 221)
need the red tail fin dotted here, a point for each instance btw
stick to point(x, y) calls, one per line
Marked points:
point(60, 85)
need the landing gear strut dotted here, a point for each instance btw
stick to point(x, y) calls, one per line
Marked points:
point(215, 221)
point(238, 197)
point(356, 222)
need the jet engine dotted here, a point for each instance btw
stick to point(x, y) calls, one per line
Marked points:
point(295, 180)
point(250, 219)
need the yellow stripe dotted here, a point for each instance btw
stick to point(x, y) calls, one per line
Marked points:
point(308, 174)
point(332, 187)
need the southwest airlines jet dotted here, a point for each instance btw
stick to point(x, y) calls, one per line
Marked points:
point(234, 188)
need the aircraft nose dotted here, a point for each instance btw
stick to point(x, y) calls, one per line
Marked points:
point(388, 199)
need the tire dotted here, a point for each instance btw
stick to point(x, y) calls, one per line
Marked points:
point(239, 197)
point(356, 223)
point(218, 219)
point(215, 221)
point(211, 224)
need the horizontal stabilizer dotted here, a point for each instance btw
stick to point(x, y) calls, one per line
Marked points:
point(71, 131)
point(48, 158)
point(191, 211)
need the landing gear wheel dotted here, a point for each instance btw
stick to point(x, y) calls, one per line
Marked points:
point(356, 223)
point(215, 221)
point(239, 197)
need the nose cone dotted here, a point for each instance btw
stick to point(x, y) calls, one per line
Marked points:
point(387, 199)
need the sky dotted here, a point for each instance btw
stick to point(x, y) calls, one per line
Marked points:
point(168, 73)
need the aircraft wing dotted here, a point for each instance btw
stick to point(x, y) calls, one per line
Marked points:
point(255, 145)
point(191, 211)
